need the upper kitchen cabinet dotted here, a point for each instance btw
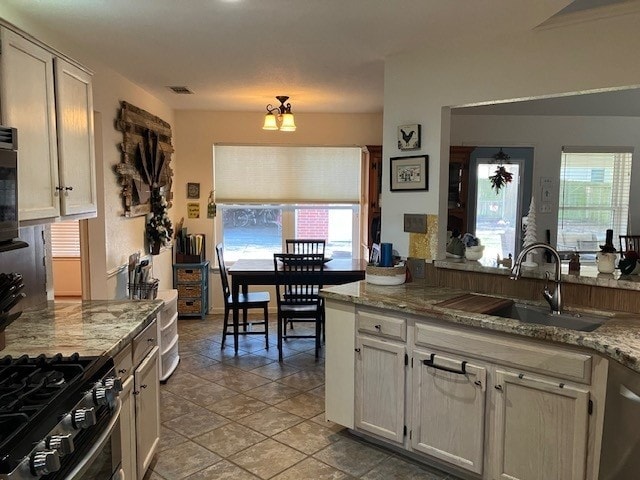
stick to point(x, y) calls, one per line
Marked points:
point(49, 101)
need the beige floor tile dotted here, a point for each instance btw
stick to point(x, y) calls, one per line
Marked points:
point(303, 360)
point(183, 460)
point(303, 405)
point(229, 439)
point(395, 468)
point(222, 470)
point(273, 393)
point(196, 422)
point(308, 437)
point(275, 370)
point(267, 458)
point(248, 362)
point(241, 381)
point(194, 362)
point(270, 421)
point(351, 456)
point(311, 468)
point(182, 379)
point(206, 393)
point(169, 438)
point(304, 380)
point(172, 406)
point(238, 407)
point(318, 391)
point(322, 420)
point(151, 475)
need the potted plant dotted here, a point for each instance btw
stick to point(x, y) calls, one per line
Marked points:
point(159, 228)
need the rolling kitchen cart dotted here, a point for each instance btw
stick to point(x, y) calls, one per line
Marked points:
point(192, 282)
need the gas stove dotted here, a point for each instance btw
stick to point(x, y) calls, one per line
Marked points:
point(52, 410)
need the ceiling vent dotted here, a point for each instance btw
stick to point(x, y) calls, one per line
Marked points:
point(181, 90)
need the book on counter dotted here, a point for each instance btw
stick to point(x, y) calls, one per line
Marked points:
point(190, 247)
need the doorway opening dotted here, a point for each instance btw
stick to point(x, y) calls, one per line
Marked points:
point(495, 216)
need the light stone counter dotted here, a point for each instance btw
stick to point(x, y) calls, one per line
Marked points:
point(589, 274)
point(90, 328)
point(618, 338)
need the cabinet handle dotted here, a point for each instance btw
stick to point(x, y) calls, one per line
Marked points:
point(122, 370)
point(357, 350)
point(144, 385)
point(68, 188)
point(498, 387)
point(59, 188)
point(378, 327)
point(150, 340)
point(478, 383)
point(431, 363)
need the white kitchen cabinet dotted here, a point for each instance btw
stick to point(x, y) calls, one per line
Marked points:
point(137, 365)
point(49, 101)
point(540, 430)
point(449, 397)
point(128, 434)
point(147, 402)
point(380, 388)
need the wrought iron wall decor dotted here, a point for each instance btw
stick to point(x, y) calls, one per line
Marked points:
point(146, 157)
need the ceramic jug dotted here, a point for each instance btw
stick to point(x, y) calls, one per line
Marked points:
point(606, 262)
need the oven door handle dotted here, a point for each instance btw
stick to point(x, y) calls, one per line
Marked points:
point(97, 447)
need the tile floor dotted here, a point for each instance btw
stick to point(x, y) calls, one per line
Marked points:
point(249, 417)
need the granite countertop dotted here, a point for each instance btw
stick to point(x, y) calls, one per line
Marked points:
point(589, 274)
point(618, 338)
point(90, 328)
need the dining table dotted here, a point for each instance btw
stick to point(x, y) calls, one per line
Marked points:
point(261, 271)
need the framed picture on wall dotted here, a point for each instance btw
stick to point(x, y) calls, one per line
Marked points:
point(409, 173)
point(409, 137)
point(193, 190)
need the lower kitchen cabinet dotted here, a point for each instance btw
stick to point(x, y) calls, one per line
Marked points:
point(137, 366)
point(380, 390)
point(147, 406)
point(449, 399)
point(540, 428)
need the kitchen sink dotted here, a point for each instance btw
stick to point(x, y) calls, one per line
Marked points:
point(542, 316)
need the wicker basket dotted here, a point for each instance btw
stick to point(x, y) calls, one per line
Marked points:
point(189, 291)
point(386, 275)
point(190, 306)
point(189, 275)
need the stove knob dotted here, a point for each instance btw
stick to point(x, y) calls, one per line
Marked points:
point(104, 396)
point(44, 462)
point(113, 382)
point(83, 418)
point(63, 444)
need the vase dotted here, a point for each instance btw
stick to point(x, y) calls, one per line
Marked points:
point(606, 262)
point(155, 248)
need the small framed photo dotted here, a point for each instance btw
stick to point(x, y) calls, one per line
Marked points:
point(409, 137)
point(193, 190)
point(410, 173)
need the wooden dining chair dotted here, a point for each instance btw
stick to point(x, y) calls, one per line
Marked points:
point(244, 303)
point(299, 279)
point(306, 246)
point(629, 243)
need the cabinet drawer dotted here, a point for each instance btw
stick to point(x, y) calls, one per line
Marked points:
point(144, 342)
point(382, 325)
point(123, 362)
point(538, 358)
point(189, 291)
point(189, 274)
point(190, 306)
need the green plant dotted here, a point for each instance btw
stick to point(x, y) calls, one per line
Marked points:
point(500, 178)
point(159, 228)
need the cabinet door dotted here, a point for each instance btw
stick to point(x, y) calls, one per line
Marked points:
point(449, 409)
point(540, 429)
point(380, 376)
point(147, 400)
point(28, 104)
point(128, 430)
point(76, 153)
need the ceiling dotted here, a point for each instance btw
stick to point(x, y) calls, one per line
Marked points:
point(237, 55)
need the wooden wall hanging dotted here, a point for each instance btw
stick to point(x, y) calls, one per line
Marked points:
point(146, 157)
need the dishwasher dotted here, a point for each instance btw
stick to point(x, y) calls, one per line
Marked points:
point(620, 458)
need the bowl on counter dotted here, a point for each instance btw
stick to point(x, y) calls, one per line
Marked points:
point(474, 253)
point(386, 275)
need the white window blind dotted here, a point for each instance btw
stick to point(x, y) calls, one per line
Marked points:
point(65, 239)
point(594, 193)
point(278, 174)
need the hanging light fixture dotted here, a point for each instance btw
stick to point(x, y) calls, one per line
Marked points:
point(279, 118)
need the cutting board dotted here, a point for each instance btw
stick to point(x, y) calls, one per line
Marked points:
point(476, 303)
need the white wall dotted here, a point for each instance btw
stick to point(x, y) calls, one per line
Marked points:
point(418, 84)
point(547, 135)
point(112, 236)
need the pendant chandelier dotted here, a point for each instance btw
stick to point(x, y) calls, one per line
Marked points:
point(280, 117)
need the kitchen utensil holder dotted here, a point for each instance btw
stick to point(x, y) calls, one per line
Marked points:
point(143, 291)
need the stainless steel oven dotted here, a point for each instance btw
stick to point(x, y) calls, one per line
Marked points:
point(59, 418)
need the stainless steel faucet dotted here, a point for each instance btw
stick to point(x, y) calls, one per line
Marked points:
point(554, 299)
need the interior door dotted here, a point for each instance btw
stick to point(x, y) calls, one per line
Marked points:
point(495, 217)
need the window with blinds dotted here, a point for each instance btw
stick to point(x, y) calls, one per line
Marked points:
point(65, 239)
point(594, 195)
